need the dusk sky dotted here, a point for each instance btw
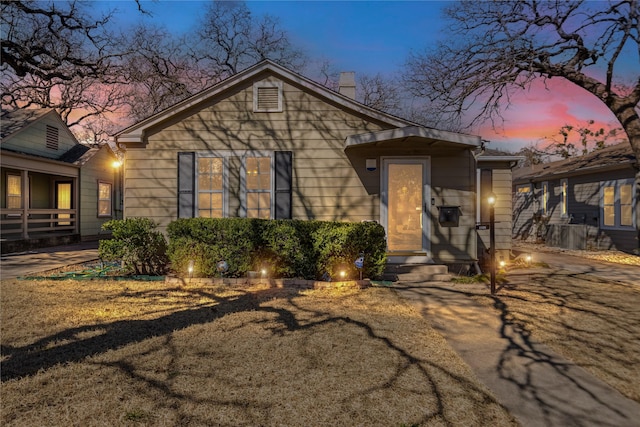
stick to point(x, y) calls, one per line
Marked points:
point(371, 37)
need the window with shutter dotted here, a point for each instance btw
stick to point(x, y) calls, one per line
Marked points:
point(267, 97)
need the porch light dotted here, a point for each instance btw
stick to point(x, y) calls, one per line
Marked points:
point(502, 262)
point(528, 258)
point(116, 164)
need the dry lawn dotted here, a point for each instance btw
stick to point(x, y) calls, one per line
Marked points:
point(591, 321)
point(135, 353)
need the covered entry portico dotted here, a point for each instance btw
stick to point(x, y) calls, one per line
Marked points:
point(416, 171)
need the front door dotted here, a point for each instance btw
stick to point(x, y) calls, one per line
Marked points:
point(63, 200)
point(405, 191)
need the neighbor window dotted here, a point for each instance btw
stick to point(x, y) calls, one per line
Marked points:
point(564, 198)
point(523, 189)
point(617, 201)
point(544, 208)
point(258, 187)
point(485, 187)
point(210, 187)
point(14, 192)
point(105, 196)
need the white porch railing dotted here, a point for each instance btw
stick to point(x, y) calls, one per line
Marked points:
point(23, 222)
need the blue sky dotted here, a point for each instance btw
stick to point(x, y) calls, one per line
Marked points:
point(371, 37)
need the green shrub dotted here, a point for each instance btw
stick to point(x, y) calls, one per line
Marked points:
point(286, 248)
point(136, 242)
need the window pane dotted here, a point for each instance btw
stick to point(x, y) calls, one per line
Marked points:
point(14, 192)
point(204, 182)
point(104, 191)
point(204, 201)
point(252, 200)
point(609, 215)
point(609, 195)
point(252, 181)
point(625, 194)
point(626, 217)
point(265, 200)
point(104, 207)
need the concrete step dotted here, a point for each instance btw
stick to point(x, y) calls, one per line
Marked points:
point(417, 273)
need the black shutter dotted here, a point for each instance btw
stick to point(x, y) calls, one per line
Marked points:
point(186, 185)
point(284, 173)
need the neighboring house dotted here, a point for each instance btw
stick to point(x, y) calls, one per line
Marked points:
point(54, 190)
point(270, 143)
point(585, 202)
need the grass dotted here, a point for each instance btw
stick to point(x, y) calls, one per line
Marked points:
point(142, 353)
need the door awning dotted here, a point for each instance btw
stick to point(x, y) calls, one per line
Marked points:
point(424, 137)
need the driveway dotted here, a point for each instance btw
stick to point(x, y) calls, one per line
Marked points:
point(24, 263)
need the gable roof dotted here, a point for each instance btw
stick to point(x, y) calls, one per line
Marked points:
point(136, 132)
point(619, 156)
point(12, 122)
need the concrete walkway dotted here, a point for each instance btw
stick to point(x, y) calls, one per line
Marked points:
point(537, 386)
point(24, 263)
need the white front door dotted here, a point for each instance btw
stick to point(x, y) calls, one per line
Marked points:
point(404, 198)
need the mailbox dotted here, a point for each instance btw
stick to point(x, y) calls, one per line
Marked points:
point(449, 216)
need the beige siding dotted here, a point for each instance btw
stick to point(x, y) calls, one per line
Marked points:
point(503, 214)
point(98, 168)
point(32, 139)
point(313, 129)
point(452, 184)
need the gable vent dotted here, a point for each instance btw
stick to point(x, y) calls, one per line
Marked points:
point(52, 137)
point(267, 97)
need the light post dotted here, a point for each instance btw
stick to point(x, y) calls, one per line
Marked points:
point(492, 240)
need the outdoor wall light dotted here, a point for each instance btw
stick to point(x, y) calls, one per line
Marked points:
point(528, 258)
point(116, 164)
point(343, 274)
point(502, 262)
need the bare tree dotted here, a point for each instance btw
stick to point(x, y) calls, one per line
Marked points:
point(158, 71)
point(56, 55)
point(379, 92)
point(231, 39)
point(496, 48)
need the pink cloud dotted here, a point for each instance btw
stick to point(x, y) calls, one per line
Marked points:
point(542, 110)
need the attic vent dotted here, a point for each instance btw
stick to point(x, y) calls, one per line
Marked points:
point(52, 137)
point(267, 97)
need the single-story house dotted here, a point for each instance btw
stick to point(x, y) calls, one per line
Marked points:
point(270, 143)
point(54, 190)
point(585, 202)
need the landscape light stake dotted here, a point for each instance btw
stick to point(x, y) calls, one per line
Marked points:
point(492, 240)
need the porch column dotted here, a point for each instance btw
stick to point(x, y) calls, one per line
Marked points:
point(24, 181)
point(76, 206)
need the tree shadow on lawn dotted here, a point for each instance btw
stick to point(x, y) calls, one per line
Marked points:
point(76, 344)
point(560, 304)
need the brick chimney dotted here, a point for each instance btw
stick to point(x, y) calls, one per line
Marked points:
point(347, 84)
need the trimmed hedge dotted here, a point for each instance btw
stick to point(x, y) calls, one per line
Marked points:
point(285, 248)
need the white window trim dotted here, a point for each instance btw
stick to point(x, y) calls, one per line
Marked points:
point(257, 86)
point(243, 181)
point(225, 155)
point(616, 186)
point(564, 198)
point(225, 182)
